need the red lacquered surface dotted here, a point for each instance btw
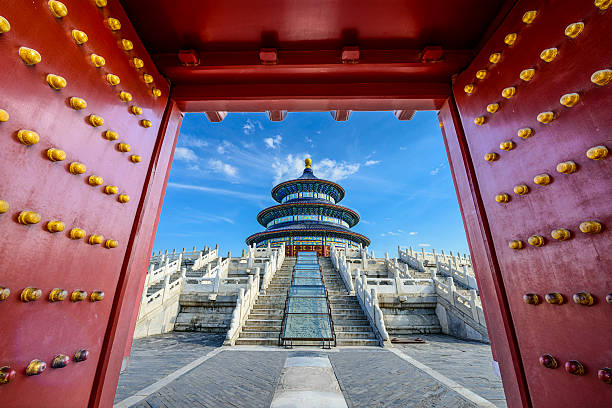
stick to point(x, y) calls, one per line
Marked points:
point(581, 264)
point(31, 255)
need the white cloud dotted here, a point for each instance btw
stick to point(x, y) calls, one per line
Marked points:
point(292, 166)
point(424, 245)
point(184, 154)
point(220, 191)
point(224, 147)
point(437, 169)
point(392, 233)
point(273, 142)
point(192, 141)
point(250, 125)
point(383, 235)
point(403, 148)
point(371, 162)
point(309, 141)
point(413, 232)
point(212, 218)
point(223, 168)
point(331, 170)
point(399, 230)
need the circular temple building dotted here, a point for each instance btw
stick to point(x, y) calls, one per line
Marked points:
point(308, 217)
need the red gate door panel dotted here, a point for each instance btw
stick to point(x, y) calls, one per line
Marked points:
point(33, 256)
point(563, 57)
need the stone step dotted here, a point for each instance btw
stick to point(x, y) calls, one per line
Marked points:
point(348, 328)
point(344, 302)
point(263, 315)
point(263, 322)
point(259, 334)
point(266, 309)
point(355, 335)
point(357, 342)
point(261, 328)
point(351, 322)
point(347, 311)
point(252, 341)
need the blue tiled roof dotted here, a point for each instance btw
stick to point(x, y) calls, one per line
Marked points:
point(308, 174)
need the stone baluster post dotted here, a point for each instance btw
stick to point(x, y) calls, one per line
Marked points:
point(473, 304)
point(364, 261)
point(451, 289)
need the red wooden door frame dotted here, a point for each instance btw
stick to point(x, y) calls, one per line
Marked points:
point(120, 331)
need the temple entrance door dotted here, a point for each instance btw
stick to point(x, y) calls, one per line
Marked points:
point(527, 143)
point(84, 165)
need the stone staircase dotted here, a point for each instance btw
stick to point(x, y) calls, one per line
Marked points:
point(264, 323)
point(351, 326)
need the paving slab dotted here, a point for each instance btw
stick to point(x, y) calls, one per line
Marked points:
point(153, 358)
point(468, 363)
point(232, 378)
point(382, 379)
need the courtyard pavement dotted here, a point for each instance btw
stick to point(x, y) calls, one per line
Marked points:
point(178, 370)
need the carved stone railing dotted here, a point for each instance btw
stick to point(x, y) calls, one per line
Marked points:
point(459, 275)
point(457, 267)
point(368, 299)
point(166, 286)
point(204, 258)
point(401, 286)
point(469, 305)
point(338, 259)
point(244, 303)
point(194, 254)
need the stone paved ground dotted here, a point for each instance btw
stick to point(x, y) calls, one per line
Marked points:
point(372, 377)
point(245, 379)
point(381, 379)
point(153, 358)
point(466, 362)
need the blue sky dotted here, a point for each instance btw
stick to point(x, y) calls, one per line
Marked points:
point(395, 174)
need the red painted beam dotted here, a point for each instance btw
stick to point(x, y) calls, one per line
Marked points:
point(404, 114)
point(277, 115)
point(311, 97)
point(313, 66)
point(341, 115)
point(216, 116)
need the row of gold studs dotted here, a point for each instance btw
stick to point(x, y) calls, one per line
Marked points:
point(31, 217)
point(31, 57)
point(575, 367)
point(571, 31)
point(602, 77)
point(59, 10)
point(31, 294)
point(555, 298)
point(29, 137)
point(559, 234)
point(36, 366)
point(566, 167)
point(127, 46)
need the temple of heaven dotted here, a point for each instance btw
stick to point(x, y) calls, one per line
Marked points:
point(308, 217)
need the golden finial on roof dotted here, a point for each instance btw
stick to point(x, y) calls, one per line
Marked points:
point(308, 162)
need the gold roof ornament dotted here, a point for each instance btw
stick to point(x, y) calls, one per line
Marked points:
point(308, 162)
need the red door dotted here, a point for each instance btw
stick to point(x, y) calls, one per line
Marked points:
point(67, 121)
point(539, 213)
